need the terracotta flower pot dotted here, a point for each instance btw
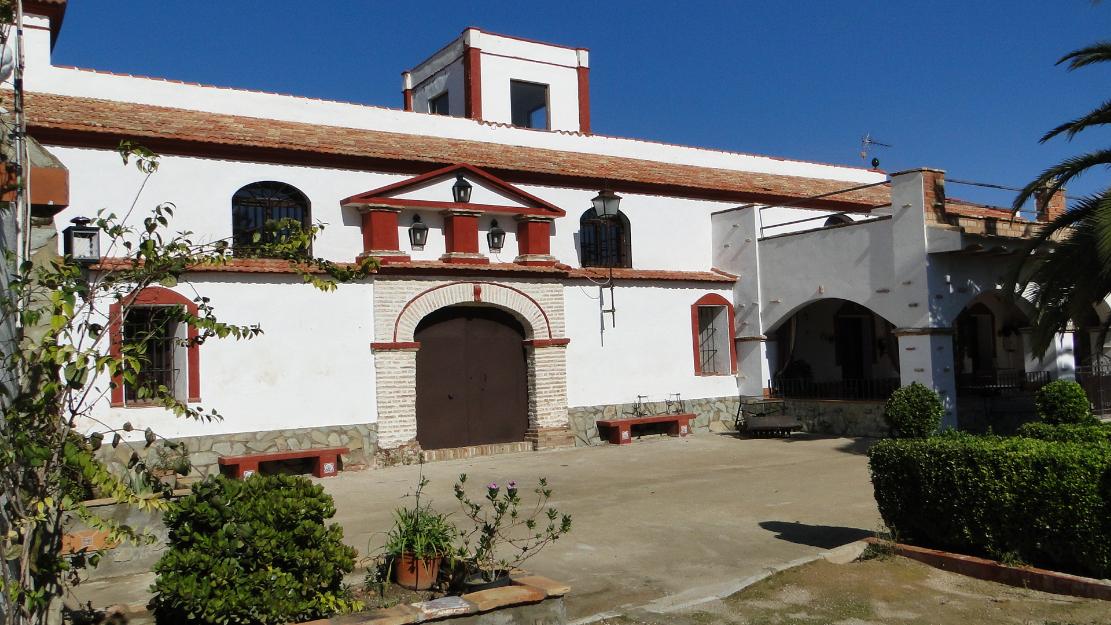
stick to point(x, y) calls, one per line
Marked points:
point(416, 573)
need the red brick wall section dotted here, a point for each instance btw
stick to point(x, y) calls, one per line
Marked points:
point(154, 296)
point(472, 82)
point(380, 230)
point(713, 299)
point(1048, 208)
point(584, 100)
point(461, 232)
point(534, 236)
point(933, 190)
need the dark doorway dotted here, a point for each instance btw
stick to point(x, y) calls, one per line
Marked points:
point(472, 382)
point(975, 340)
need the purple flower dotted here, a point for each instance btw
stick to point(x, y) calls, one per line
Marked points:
point(512, 485)
point(492, 486)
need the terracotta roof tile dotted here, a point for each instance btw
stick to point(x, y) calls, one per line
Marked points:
point(66, 120)
point(434, 267)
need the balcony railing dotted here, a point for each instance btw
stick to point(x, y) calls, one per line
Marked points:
point(1002, 382)
point(863, 389)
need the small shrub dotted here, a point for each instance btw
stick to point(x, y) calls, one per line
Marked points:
point(1063, 401)
point(913, 412)
point(1015, 499)
point(1087, 434)
point(253, 551)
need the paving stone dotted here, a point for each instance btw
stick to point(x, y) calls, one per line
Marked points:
point(444, 607)
point(494, 598)
point(397, 615)
point(551, 587)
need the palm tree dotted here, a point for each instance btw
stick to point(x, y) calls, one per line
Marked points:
point(1076, 273)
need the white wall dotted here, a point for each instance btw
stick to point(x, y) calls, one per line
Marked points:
point(311, 367)
point(649, 352)
point(668, 233)
point(202, 190)
point(562, 82)
point(449, 79)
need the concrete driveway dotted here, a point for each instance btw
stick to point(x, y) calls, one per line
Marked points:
point(661, 518)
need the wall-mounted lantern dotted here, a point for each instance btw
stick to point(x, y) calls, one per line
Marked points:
point(606, 204)
point(81, 242)
point(418, 233)
point(461, 190)
point(495, 237)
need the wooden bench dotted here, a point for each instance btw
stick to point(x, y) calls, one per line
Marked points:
point(619, 431)
point(325, 461)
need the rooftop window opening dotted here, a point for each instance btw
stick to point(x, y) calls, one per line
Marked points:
point(837, 220)
point(529, 104)
point(439, 105)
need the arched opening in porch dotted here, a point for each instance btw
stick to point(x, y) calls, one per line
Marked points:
point(996, 373)
point(834, 349)
point(991, 355)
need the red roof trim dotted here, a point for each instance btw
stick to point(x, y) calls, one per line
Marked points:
point(537, 205)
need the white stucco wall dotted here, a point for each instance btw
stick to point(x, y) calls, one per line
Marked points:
point(666, 231)
point(648, 352)
point(449, 79)
point(202, 190)
point(562, 82)
point(312, 366)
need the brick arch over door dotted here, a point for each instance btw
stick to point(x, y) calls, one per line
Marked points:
point(521, 305)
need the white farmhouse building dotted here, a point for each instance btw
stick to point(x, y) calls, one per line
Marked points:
point(733, 275)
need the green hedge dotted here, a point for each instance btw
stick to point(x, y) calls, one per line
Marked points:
point(1041, 502)
point(253, 551)
point(1095, 434)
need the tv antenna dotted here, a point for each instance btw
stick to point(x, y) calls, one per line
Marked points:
point(868, 145)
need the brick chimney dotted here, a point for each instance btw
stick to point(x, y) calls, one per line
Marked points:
point(1049, 207)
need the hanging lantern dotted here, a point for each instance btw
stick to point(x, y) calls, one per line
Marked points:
point(606, 204)
point(81, 242)
point(461, 190)
point(418, 233)
point(495, 237)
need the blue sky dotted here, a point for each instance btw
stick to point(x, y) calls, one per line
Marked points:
point(963, 86)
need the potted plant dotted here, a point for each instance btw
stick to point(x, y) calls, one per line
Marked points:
point(171, 461)
point(503, 537)
point(418, 543)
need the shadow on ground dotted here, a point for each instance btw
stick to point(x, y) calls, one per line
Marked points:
point(857, 446)
point(821, 536)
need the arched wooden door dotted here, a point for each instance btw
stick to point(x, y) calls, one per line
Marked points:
point(472, 382)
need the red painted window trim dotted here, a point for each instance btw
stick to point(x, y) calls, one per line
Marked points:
point(713, 299)
point(154, 296)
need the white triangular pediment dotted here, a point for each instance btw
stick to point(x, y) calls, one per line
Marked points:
point(439, 190)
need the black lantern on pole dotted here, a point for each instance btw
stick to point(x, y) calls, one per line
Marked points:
point(606, 204)
point(81, 242)
point(461, 190)
point(495, 237)
point(418, 233)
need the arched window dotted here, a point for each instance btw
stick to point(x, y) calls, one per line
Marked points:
point(168, 350)
point(837, 220)
point(713, 335)
point(605, 242)
point(257, 207)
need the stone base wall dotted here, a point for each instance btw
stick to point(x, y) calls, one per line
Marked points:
point(840, 418)
point(706, 411)
point(204, 451)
